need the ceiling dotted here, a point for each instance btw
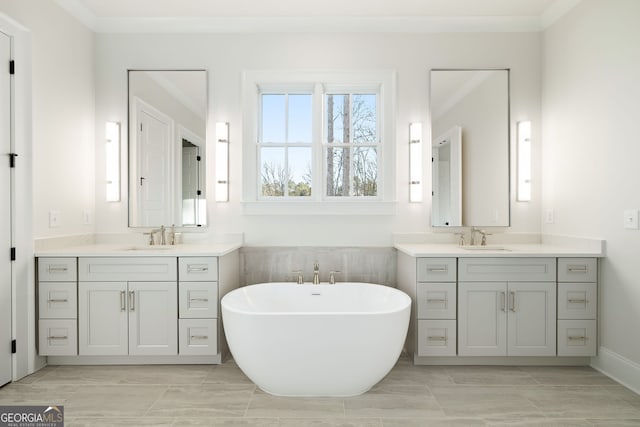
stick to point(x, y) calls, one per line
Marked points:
point(321, 16)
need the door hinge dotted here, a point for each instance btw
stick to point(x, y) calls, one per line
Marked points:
point(14, 347)
point(13, 254)
point(199, 193)
point(198, 158)
point(12, 67)
point(12, 160)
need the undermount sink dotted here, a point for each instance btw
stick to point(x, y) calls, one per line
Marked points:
point(151, 248)
point(486, 248)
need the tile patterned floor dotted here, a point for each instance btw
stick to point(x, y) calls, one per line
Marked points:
point(410, 396)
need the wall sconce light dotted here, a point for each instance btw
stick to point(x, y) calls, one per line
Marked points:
point(415, 162)
point(113, 161)
point(523, 189)
point(222, 162)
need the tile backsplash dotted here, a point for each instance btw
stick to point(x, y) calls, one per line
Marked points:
point(276, 264)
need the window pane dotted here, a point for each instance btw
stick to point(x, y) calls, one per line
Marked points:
point(299, 184)
point(364, 118)
point(273, 171)
point(337, 113)
point(365, 171)
point(299, 118)
point(273, 118)
point(337, 173)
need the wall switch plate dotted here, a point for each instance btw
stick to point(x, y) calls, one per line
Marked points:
point(549, 216)
point(54, 219)
point(631, 219)
point(86, 218)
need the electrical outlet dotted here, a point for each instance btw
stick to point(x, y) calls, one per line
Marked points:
point(631, 219)
point(54, 219)
point(549, 216)
point(86, 218)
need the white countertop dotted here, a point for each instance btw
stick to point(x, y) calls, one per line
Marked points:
point(119, 250)
point(434, 250)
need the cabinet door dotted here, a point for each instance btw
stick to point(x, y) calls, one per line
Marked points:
point(153, 318)
point(531, 321)
point(482, 319)
point(102, 318)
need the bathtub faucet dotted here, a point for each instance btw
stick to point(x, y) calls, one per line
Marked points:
point(316, 273)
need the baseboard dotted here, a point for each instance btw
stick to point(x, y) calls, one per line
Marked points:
point(617, 367)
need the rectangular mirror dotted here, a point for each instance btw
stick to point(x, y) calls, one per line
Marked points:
point(470, 148)
point(167, 138)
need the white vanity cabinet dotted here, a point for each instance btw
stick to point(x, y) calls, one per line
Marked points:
point(198, 305)
point(436, 306)
point(577, 306)
point(127, 306)
point(57, 307)
point(507, 307)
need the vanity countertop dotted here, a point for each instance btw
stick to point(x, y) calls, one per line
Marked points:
point(435, 250)
point(120, 250)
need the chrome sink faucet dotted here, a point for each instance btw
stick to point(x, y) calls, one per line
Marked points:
point(316, 273)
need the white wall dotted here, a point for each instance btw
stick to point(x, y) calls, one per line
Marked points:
point(63, 115)
point(226, 56)
point(591, 107)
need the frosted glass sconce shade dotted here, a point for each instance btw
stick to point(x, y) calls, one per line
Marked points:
point(524, 162)
point(222, 162)
point(415, 162)
point(113, 161)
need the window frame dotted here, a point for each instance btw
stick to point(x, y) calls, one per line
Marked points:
point(380, 82)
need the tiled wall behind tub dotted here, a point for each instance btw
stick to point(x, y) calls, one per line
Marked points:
point(276, 264)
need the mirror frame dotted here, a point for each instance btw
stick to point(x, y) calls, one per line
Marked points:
point(508, 142)
point(130, 147)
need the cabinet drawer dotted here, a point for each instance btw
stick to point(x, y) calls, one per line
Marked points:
point(437, 338)
point(436, 270)
point(57, 337)
point(507, 269)
point(198, 269)
point(436, 300)
point(198, 300)
point(577, 270)
point(131, 269)
point(576, 337)
point(57, 300)
point(57, 269)
point(198, 337)
point(577, 300)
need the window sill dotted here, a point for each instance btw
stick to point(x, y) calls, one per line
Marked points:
point(286, 207)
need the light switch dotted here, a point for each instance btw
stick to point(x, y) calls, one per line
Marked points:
point(549, 216)
point(54, 219)
point(631, 219)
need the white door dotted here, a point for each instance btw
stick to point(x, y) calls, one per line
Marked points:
point(531, 321)
point(153, 318)
point(102, 318)
point(5, 211)
point(482, 319)
point(155, 172)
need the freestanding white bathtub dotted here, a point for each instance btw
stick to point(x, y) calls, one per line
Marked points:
point(316, 340)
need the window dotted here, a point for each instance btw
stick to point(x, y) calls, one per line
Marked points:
point(319, 141)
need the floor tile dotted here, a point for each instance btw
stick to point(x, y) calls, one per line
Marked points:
point(111, 421)
point(226, 374)
point(431, 422)
point(227, 422)
point(36, 394)
point(615, 423)
point(266, 405)
point(490, 375)
point(163, 374)
point(205, 400)
point(330, 422)
point(567, 375)
point(112, 400)
point(394, 401)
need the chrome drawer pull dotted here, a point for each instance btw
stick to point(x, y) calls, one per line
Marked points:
point(503, 301)
point(512, 303)
point(123, 302)
point(199, 299)
point(58, 269)
point(199, 337)
point(437, 300)
point(59, 338)
point(577, 269)
point(577, 338)
point(437, 269)
point(437, 339)
point(132, 301)
point(577, 301)
point(191, 269)
point(57, 300)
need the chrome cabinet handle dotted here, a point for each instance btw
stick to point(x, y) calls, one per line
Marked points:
point(123, 301)
point(578, 301)
point(132, 301)
point(577, 269)
point(434, 338)
point(577, 338)
point(512, 302)
point(199, 299)
point(196, 269)
point(503, 301)
point(199, 337)
point(437, 300)
point(58, 337)
point(437, 269)
point(58, 300)
point(58, 269)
